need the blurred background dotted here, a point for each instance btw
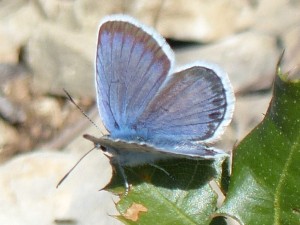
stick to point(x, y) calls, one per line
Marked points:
point(46, 46)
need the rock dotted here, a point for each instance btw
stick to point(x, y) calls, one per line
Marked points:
point(28, 191)
point(246, 119)
point(9, 51)
point(16, 85)
point(49, 110)
point(61, 49)
point(291, 60)
point(7, 6)
point(11, 112)
point(59, 12)
point(8, 140)
point(17, 21)
point(11, 71)
point(175, 20)
point(196, 21)
point(202, 21)
point(76, 124)
point(249, 58)
point(275, 17)
point(89, 13)
point(61, 58)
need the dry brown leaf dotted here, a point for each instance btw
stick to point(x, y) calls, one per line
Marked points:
point(134, 210)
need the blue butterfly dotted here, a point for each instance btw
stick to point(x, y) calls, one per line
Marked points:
point(153, 112)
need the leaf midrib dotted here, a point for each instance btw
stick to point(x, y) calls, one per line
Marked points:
point(282, 178)
point(179, 212)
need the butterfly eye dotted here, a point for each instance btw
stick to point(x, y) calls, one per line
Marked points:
point(104, 149)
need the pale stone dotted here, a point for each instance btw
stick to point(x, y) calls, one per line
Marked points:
point(28, 191)
point(7, 6)
point(276, 17)
point(195, 20)
point(9, 136)
point(249, 112)
point(16, 25)
point(9, 52)
point(16, 85)
point(249, 58)
point(21, 23)
point(49, 110)
point(59, 12)
point(291, 59)
point(89, 12)
point(60, 59)
point(11, 111)
point(203, 21)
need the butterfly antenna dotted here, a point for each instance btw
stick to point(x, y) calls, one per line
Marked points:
point(67, 174)
point(84, 113)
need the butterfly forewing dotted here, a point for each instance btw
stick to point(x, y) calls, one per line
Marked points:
point(131, 65)
point(192, 105)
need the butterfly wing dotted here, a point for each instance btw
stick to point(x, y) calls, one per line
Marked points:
point(194, 104)
point(142, 105)
point(131, 64)
point(132, 153)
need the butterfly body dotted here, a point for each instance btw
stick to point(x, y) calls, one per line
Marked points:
point(153, 112)
point(133, 151)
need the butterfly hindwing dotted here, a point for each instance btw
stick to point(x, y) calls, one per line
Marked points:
point(135, 153)
point(195, 104)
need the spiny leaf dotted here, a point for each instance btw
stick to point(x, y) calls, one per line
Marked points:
point(173, 192)
point(265, 182)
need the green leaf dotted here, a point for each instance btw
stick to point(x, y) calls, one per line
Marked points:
point(171, 192)
point(265, 182)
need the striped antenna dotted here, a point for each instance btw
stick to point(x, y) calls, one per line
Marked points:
point(81, 110)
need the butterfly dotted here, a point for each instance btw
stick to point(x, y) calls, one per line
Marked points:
point(151, 110)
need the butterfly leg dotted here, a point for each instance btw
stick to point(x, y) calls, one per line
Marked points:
point(163, 170)
point(126, 184)
point(160, 168)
